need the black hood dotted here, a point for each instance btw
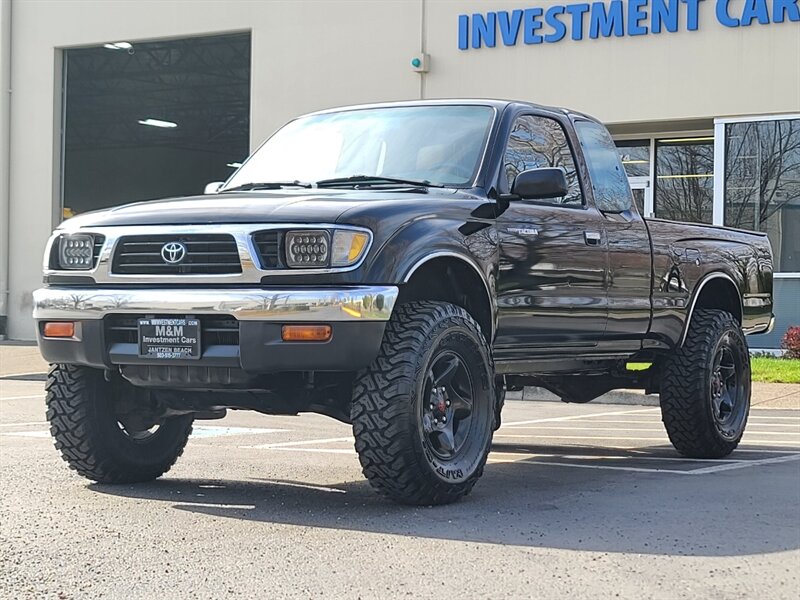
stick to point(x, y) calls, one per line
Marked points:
point(280, 206)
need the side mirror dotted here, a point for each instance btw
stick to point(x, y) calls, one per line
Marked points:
point(547, 182)
point(213, 187)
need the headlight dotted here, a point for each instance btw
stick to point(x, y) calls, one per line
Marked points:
point(308, 249)
point(76, 251)
point(318, 248)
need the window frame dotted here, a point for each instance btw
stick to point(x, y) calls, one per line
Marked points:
point(577, 160)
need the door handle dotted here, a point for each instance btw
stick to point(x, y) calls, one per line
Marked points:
point(592, 238)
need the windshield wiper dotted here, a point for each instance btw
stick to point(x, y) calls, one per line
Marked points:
point(374, 180)
point(266, 185)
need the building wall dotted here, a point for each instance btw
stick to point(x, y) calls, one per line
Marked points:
point(308, 55)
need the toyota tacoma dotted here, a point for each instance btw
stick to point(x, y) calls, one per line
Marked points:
point(397, 267)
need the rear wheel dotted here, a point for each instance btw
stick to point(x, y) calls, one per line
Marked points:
point(424, 411)
point(705, 389)
point(98, 434)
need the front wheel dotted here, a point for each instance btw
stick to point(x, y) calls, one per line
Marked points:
point(98, 434)
point(705, 387)
point(423, 413)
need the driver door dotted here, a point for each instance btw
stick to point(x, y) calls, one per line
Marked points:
point(553, 255)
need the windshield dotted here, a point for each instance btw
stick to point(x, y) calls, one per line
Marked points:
point(437, 144)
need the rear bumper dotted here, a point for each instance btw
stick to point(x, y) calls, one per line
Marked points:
point(357, 316)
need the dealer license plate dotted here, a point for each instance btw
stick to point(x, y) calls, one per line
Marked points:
point(169, 339)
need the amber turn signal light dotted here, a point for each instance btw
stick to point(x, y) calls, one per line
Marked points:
point(59, 329)
point(306, 333)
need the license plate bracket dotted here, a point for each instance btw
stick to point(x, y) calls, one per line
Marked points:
point(169, 338)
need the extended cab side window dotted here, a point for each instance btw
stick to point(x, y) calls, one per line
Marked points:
point(537, 142)
point(612, 193)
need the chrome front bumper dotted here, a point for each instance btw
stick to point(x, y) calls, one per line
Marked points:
point(357, 303)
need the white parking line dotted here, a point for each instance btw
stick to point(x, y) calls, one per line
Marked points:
point(614, 457)
point(655, 430)
point(21, 397)
point(747, 463)
point(574, 417)
point(23, 424)
point(660, 423)
point(600, 467)
point(298, 443)
point(33, 434)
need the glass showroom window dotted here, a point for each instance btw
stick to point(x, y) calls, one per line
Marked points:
point(635, 156)
point(762, 184)
point(685, 179)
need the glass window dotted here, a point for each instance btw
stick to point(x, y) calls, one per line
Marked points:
point(609, 181)
point(684, 188)
point(762, 184)
point(537, 142)
point(635, 157)
point(441, 144)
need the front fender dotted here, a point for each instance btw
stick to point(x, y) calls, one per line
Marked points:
point(473, 242)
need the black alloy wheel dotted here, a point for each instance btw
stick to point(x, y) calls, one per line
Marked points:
point(447, 414)
point(728, 390)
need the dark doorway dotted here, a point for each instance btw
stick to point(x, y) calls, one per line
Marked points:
point(153, 119)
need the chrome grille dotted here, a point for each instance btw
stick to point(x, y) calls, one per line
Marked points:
point(268, 244)
point(206, 254)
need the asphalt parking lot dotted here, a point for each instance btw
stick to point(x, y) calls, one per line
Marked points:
point(577, 500)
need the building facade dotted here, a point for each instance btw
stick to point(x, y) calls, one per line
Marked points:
point(116, 101)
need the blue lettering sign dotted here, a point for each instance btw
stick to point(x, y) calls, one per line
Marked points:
point(607, 18)
point(782, 9)
point(692, 8)
point(483, 30)
point(531, 24)
point(603, 22)
point(509, 26)
point(722, 14)
point(755, 9)
point(577, 11)
point(666, 12)
point(635, 16)
point(559, 29)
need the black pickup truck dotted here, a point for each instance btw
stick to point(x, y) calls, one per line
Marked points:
point(397, 267)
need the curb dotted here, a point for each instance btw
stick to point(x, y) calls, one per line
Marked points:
point(625, 397)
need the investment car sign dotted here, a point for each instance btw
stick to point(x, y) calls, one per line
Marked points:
point(618, 18)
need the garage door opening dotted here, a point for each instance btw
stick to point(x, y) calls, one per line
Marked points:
point(153, 119)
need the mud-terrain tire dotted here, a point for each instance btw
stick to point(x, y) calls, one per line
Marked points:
point(423, 412)
point(705, 387)
point(91, 439)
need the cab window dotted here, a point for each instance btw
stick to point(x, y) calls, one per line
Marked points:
point(537, 142)
point(612, 193)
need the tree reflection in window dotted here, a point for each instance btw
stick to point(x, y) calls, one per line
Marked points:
point(537, 142)
point(684, 188)
point(762, 184)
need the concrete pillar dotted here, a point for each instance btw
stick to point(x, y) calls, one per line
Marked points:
point(5, 157)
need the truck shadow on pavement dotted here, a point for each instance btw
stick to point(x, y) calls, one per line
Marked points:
point(744, 511)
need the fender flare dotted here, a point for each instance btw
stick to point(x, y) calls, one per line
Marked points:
point(449, 254)
point(698, 289)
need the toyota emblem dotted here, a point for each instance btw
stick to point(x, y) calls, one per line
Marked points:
point(173, 252)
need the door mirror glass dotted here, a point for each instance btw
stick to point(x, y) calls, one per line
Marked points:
point(213, 187)
point(539, 184)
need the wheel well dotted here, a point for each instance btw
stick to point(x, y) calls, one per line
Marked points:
point(720, 293)
point(451, 280)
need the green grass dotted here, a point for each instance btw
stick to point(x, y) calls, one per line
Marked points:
point(775, 370)
point(768, 370)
